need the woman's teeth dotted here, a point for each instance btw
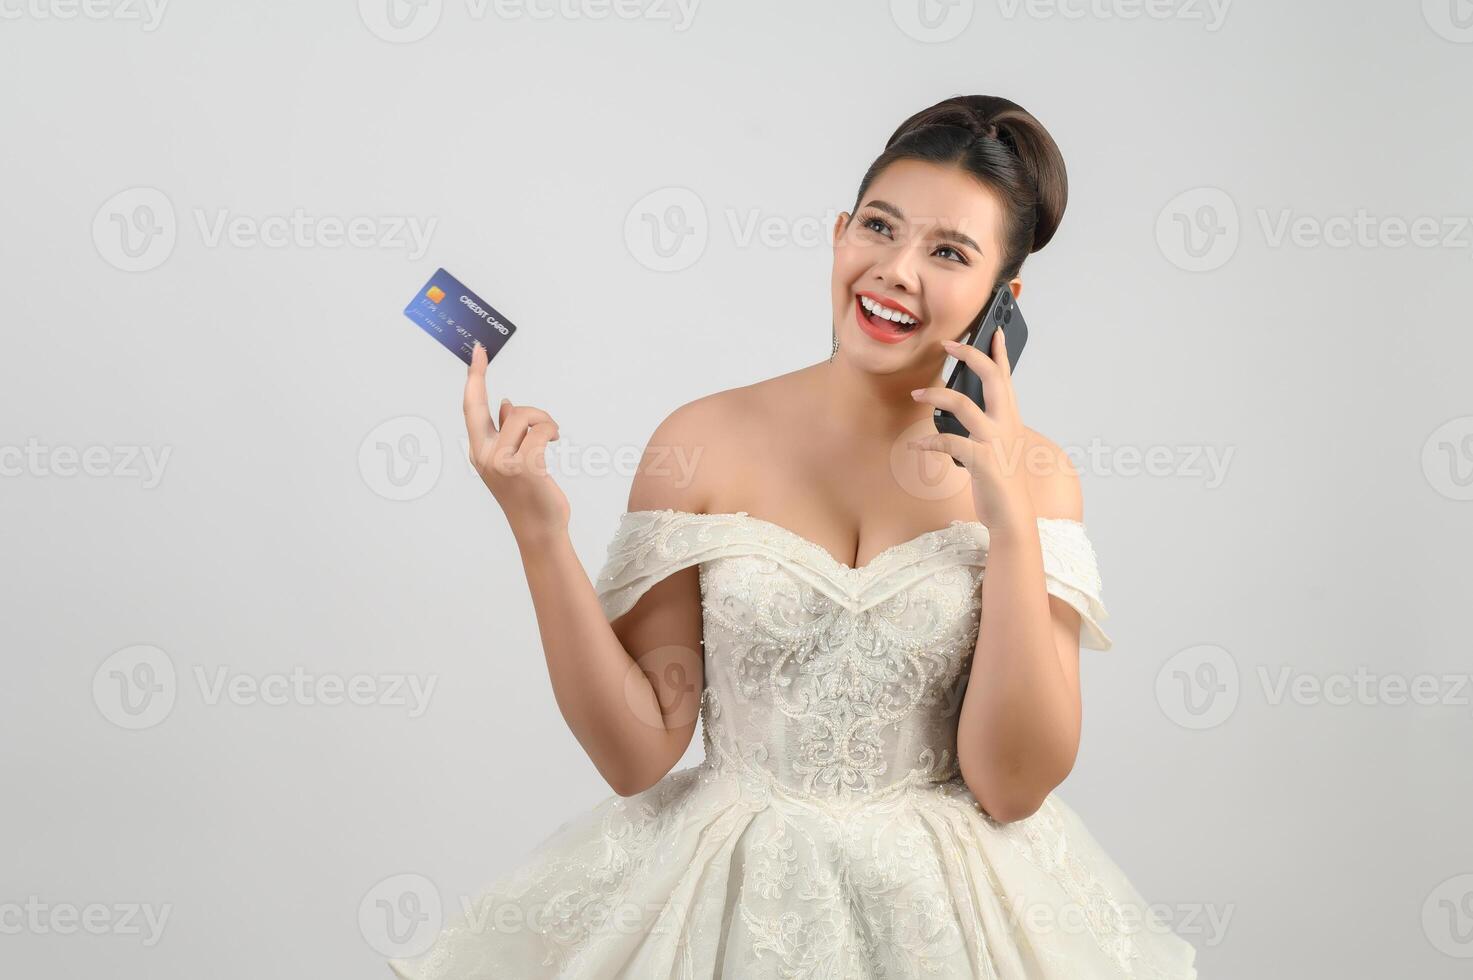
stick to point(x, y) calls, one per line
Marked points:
point(892, 318)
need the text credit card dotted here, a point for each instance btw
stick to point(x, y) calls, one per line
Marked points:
point(456, 317)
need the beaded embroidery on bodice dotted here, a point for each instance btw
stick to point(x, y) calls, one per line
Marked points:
point(825, 683)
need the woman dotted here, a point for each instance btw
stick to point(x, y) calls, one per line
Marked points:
point(882, 734)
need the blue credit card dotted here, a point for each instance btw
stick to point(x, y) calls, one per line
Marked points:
point(456, 317)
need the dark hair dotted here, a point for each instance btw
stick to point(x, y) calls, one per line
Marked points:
point(1006, 149)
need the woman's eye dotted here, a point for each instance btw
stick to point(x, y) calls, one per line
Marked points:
point(884, 229)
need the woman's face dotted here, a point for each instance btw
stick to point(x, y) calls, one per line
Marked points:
point(925, 243)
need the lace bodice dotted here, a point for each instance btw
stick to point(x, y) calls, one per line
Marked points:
point(829, 683)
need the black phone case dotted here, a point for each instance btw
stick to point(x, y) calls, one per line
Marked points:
point(1001, 311)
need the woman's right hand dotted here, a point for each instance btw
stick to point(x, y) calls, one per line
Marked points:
point(510, 456)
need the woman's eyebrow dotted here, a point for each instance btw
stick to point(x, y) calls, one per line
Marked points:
point(952, 233)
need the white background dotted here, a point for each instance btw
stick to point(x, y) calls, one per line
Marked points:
point(1331, 375)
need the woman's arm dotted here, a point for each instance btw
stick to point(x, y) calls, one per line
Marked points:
point(1018, 732)
point(629, 690)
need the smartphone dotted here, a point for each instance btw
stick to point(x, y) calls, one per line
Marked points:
point(1001, 311)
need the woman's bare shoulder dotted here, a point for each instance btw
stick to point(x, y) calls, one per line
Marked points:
point(1053, 482)
point(698, 447)
point(725, 419)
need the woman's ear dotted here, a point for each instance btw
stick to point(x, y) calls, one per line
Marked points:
point(839, 224)
point(1016, 285)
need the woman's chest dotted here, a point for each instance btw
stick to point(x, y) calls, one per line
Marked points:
point(775, 599)
point(774, 640)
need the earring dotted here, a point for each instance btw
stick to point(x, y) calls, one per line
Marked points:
point(835, 349)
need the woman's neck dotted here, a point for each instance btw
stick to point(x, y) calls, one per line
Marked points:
point(861, 404)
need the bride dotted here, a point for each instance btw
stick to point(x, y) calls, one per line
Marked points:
point(882, 733)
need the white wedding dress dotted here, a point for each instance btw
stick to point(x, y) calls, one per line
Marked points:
point(827, 835)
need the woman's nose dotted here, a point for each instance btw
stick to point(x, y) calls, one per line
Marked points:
point(898, 268)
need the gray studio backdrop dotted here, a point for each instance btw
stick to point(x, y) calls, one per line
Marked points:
point(273, 693)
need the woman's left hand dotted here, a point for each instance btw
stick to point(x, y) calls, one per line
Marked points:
point(995, 450)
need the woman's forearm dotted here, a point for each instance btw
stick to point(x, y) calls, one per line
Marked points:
point(1018, 732)
point(605, 699)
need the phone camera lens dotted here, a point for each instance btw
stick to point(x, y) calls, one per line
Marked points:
point(1007, 317)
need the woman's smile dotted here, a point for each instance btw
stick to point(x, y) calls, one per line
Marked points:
point(881, 329)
